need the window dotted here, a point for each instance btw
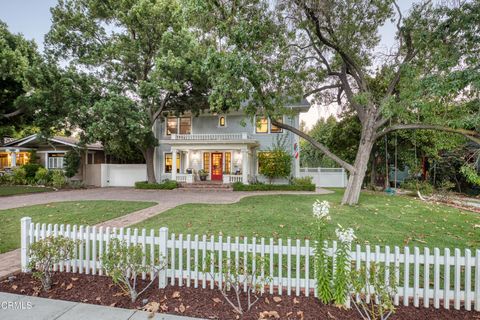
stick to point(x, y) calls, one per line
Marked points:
point(182, 125)
point(262, 125)
point(222, 121)
point(55, 160)
point(228, 162)
point(169, 163)
point(171, 126)
point(206, 161)
point(275, 129)
point(185, 125)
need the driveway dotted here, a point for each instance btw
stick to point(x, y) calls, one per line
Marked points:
point(165, 199)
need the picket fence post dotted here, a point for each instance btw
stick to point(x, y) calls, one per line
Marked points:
point(163, 257)
point(25, 233)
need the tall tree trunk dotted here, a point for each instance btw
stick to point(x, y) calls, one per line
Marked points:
point(149, 156)
point(355, 181)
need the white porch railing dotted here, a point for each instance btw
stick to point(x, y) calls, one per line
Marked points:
point(184, 177)
point(423, 277)
point(232, 178)
point(212, 136)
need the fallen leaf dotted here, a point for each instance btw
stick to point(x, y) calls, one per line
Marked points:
point(176, 295)
point(70, 286)
point(182, 308)
point(164, 307)
point(330, 316)
point(98, 298)
point(269, 314)
point(74, 279)
point(85, 300)
point(267, 301)
point(277, 299)
point(217, 300)
point(289, 314)
point(300, 314)
point(152, 307)
point(62, 285)
point(295, 301)
point(113, 304)
point(14, 287)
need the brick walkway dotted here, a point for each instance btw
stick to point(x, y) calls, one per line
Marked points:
point(165, 199)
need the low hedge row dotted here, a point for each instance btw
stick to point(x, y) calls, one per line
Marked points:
point(166, 185)
point(238, 186)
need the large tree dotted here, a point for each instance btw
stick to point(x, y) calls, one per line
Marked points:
point(330, 48)
point(140, 60)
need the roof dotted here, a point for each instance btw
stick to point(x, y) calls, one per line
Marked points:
point(68, 141)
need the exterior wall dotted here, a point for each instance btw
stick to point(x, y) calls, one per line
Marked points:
point(93, 175)
point(115, 175)
point(235, 123)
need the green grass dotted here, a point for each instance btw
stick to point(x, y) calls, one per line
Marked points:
point(14, 190)
point(379, 219)
point(72, 212)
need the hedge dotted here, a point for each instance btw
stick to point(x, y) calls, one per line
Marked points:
point(167, 185)
point(238, 186)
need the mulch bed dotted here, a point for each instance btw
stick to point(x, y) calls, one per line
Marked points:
point(204, 303)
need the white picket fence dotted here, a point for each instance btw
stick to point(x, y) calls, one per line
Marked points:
point(422, 278)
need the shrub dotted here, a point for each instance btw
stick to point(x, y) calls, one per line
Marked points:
point(167, 185)
point(238, 186)
point(368, 283)
point(43, 176)
point(304, 181)
point(275, 164)
point(5, 178)
point(58, 179)
point(72, 163)
point(241, 277)
point(19, 176)
point(30, 171)
point(47, 252)
point(124, 264)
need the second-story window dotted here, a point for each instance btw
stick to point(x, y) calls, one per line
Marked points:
point(275, 129)
point(222, 121)
point(182, 125)
point(261, 125)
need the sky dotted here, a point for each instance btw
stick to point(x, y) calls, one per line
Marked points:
point(32, 18)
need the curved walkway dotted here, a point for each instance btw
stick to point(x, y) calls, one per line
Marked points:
point(165, 199)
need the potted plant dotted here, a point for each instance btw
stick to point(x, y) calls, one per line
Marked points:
point(203, 175)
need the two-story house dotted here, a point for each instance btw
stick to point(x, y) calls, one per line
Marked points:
point(226, 146)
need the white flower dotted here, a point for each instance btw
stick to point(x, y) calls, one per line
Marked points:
point(321, 210)
point(345, 236)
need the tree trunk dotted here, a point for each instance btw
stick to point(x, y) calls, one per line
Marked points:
point(373, 170)
point(355, 181)
point(149, 156)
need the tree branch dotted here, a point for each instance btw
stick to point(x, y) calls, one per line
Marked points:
point(13, 113)
point(316, 144)
point(317, 90)
point(469, 134)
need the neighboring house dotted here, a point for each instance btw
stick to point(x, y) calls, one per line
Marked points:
point(224, 145)
point(49, 152)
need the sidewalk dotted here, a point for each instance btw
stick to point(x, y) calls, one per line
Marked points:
point(20, 307)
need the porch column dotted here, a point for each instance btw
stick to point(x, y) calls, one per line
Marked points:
point(174, 164)
point(187, 160)
point(13, 156)
point(245, 166)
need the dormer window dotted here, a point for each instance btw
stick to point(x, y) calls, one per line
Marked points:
point(222, 121)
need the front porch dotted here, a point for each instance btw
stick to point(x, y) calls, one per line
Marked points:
point(211, 164)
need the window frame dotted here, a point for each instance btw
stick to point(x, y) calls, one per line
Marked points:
point(219, 125)
point(177, 124)
point(269, 125)
point(179, 162)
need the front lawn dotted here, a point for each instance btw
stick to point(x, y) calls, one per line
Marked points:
point(379, 219)
point(14, 190)
point(72, 212)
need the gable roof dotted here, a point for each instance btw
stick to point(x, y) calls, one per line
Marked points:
point(68, 141)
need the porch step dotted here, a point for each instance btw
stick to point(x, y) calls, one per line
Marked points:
point(205, 186)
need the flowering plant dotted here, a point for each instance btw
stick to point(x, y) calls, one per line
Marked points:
point(321, 210)
point(345, 236)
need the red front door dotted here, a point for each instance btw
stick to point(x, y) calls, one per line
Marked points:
point(217, 166)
